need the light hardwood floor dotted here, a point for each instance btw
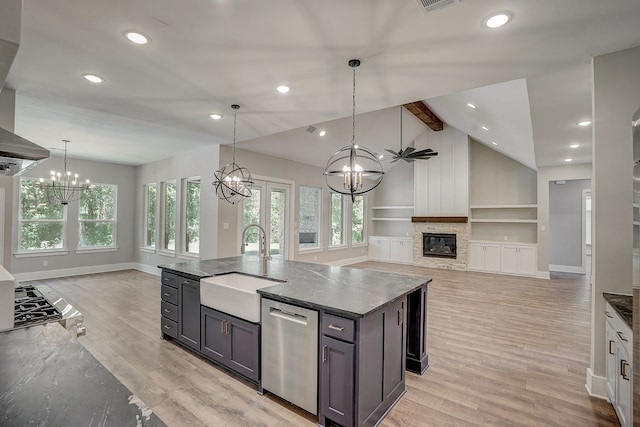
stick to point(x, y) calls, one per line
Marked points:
point(503, 351)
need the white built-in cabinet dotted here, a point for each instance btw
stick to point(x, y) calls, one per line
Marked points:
point(484, 256)
point(391, 249)
point(506, 258)
point(619, 353)
point(503, 239)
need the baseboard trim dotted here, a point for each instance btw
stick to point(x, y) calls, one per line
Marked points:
point(148, 269)
point(347, 261)
point(75, 271)
point(566, 269)
point(543, 275)
point(596, 385)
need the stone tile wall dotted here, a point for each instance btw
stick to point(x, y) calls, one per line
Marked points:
point(461, 230)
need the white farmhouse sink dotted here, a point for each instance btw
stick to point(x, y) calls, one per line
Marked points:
point(234, 294)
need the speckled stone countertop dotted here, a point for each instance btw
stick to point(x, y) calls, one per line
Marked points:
point(346, 291)
point(623, 305)
point(48, 379)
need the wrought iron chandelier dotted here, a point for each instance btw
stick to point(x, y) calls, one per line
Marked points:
point(233, 182)
point(64, 187)
point(353, 170)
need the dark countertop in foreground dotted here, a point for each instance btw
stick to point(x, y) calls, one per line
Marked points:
point(48, 379)
point(342, 290)
point(622, 304)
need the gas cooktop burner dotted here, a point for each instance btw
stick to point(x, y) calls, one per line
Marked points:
point(32, 308)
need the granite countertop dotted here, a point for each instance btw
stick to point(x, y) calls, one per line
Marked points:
point(48, 378)
point(347, 291)
point(623, 305)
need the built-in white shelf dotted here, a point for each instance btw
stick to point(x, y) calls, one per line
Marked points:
point(499, 220)
point(503, 206)
point(390, 219)
point(392, 207)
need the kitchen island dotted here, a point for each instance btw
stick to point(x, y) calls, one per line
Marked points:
point(372, 325)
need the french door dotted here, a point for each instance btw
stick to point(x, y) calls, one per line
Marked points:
point(268, 207)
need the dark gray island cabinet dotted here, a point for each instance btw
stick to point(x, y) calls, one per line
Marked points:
point(362, 366)
point(181, 309)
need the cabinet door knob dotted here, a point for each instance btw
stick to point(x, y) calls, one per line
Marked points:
point(336, 328)
point(166, 310)
point(610, 342)
point(167, 327)
point(166, 294)
point(324, 353)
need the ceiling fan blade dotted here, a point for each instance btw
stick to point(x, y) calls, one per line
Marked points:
point(391, 151)
point(427, 152)
point(408, 151)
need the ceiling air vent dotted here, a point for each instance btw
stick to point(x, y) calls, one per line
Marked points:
point(427, 6)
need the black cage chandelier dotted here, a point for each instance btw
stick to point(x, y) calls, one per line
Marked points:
point(64, 187)
point(233, 182)
point(353, 170)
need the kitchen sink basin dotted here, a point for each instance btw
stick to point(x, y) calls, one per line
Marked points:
point(234, 294)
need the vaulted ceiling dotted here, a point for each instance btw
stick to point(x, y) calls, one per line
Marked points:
point(529, 80)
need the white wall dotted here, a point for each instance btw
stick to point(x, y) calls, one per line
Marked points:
point(396, 189)
point(565, 224)
point(616, 97)
point(442, 183)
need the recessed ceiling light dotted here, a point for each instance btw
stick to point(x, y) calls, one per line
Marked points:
point(574, 146)
point(93, 78)
point(470, 105)
point(584, 123)
point(497, 20)
point(136, 38)
point(485, 128)
point(494, 143)
point(283, 89)
point(215, 116)
point(322, 133)
point(568, 160)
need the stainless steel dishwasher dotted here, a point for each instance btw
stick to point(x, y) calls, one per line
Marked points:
point(290, 353)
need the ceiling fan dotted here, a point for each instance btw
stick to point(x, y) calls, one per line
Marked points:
point(409, 154)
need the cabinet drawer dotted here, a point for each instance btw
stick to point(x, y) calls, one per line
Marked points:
point(169, 279)
point(169, 327)
point(169, 310)
point(169, 294)
point(338, 327)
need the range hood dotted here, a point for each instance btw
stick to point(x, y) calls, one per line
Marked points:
point(18, 155)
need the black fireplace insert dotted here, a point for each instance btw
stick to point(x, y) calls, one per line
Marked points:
point(439, 245)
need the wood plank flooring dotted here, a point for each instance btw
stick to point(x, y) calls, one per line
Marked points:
point(503, 351)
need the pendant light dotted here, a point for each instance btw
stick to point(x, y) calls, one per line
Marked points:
point(64, 187)
point(353, 170)
point(233, 182)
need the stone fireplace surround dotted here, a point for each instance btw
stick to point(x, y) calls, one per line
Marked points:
point(454, 225)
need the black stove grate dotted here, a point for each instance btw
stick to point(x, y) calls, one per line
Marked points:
point(32, 308)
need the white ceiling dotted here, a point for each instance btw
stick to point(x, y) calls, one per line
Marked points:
point(207, 54)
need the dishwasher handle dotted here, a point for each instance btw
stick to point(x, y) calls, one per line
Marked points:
point(288, 316)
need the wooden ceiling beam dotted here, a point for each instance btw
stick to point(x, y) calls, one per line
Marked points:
point(422, 112)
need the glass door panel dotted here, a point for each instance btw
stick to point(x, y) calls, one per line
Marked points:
point(268, 204)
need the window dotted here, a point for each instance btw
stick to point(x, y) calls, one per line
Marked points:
point(150, 215)
point(357, 221)
point(310, 208)
point(41, 224)
point(97, 216)
point(337, 220)
point(169, 216)
point(192, 215)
